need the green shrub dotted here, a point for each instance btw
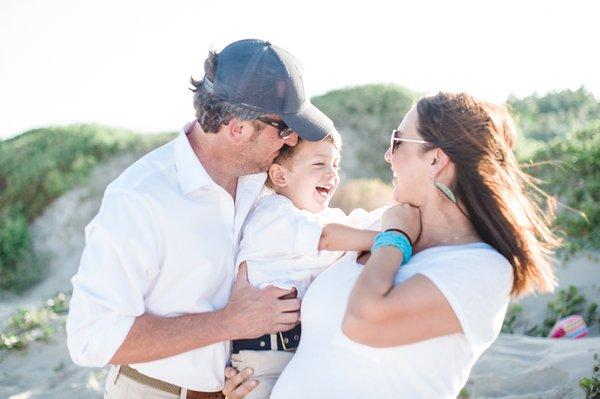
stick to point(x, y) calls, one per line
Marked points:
point(35, 168)
point(591, 385)
point(554, 114)
point(36, 324)
point(570, 169)
point(568, 302)
point(19, 267)
point(512, 314)
point(591, 314)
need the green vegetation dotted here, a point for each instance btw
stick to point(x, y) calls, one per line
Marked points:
point(39, 324)
point(570, 170)
point(591, 314)
point(512, 314)
point(555, 114)
point(19, 266)
point(560, 137)
point(591, 385)
point(35, 168)
point(568, 302)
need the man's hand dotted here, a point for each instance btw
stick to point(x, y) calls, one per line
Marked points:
point(238, 384)
point(252, 312)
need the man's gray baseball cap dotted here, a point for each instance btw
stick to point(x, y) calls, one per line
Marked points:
point(256, 75)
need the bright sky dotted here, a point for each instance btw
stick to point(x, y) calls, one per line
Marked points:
point(126, 63)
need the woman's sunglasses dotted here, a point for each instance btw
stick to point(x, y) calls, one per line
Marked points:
point(283, 129)
point(395, 140)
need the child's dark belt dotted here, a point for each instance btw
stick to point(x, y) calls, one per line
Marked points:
point(283, 341)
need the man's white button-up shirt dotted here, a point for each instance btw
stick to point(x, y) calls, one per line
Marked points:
point(164, 242)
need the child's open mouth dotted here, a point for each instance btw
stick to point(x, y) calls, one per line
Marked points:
point(324, 190)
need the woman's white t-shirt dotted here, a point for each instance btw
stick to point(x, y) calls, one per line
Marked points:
point(475, 279)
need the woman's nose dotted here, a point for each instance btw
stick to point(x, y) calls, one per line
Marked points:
point(388, 156)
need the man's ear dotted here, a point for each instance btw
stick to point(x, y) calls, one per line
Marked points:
point(277, 174)
point(234, 130)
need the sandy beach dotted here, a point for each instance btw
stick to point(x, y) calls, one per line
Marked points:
point(516, 366)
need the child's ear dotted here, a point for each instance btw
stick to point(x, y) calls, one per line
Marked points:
point(277, 175)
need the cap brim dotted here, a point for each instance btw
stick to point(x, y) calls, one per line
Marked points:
point(310, 123)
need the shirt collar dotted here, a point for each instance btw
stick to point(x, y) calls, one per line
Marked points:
point(192, 175)
point(190, 171)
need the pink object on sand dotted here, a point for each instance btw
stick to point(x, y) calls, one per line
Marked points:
point(569, 327)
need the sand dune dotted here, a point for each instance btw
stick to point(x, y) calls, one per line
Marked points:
point(517, 366)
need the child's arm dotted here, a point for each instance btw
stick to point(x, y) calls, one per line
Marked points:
point(339, 237)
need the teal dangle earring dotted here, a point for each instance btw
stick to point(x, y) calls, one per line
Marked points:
point(446, 191)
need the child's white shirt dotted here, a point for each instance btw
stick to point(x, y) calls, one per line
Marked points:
point(280, 242)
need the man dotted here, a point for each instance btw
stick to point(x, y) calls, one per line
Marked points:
point(155, 294)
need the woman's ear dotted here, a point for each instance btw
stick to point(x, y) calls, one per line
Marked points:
point(438, 163)
point(277, 174)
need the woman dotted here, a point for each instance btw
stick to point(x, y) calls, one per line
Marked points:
point(413, 326)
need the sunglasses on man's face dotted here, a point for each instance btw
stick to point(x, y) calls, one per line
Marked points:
point(395, 140)
point(283, 129)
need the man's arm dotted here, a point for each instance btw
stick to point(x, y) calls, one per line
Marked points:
point(250, 313)
point(339, 237)
point(108, 321)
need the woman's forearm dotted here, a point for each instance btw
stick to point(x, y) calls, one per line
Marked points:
point(339, 237)
point(374, 283)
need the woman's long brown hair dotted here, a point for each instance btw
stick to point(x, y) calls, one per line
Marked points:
point(501, 201)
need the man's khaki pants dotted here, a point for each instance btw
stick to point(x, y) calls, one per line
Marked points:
point(267, 366)
point(119, 386)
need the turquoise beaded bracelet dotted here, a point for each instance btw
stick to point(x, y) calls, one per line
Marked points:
point(393, 239)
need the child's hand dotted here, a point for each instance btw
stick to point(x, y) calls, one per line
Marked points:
point(238, 384)
point(404, 217)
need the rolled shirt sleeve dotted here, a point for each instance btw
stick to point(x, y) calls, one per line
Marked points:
point(119, 263)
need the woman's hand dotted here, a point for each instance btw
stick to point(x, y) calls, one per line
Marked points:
point(404, 217)
point(238, 384)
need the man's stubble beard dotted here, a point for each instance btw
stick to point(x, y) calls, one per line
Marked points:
point(249, 162)
point(250, 167)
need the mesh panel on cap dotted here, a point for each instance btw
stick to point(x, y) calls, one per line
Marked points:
point(258, 76)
